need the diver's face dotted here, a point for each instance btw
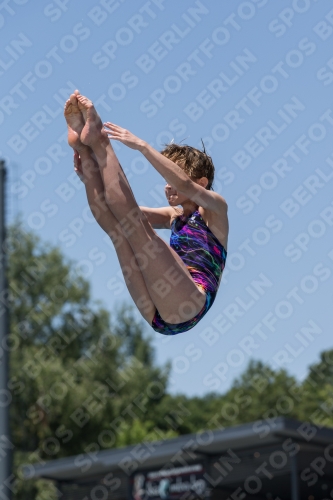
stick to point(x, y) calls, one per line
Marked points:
point(174, 198)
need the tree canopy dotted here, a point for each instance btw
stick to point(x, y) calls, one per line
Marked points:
point(83, 378)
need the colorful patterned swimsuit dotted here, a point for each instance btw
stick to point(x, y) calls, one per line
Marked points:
point(204, 257)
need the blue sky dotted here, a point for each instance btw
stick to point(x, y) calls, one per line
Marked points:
point(254, 80)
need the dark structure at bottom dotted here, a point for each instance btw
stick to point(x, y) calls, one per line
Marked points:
point(273, 459)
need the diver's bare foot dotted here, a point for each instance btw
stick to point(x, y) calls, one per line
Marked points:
point(75, 123)
point(93, 131)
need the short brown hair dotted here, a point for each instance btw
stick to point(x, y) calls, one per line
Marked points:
point(195, 163)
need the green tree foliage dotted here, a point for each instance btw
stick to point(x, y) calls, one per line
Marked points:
point(259, 393)
point(83, 380)
point(317, 403)
point(80, 378)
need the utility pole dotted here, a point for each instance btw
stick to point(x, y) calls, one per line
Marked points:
point(5, 396)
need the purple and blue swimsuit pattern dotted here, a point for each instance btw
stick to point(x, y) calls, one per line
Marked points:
point(204, 257)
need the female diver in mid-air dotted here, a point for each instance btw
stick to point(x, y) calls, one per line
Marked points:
point(172, 286)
